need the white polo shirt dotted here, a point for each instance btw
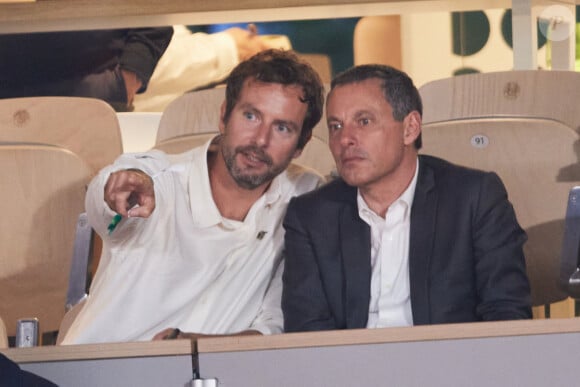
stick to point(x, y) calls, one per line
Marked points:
point(186, 266)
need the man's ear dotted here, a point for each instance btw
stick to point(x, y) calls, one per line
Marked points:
point(411, 127)
point(297, 153)
point(222, 123)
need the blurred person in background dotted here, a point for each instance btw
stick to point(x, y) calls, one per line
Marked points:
point(197, 60)
point(112, 65)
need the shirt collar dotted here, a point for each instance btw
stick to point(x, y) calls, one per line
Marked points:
point(406, 200)
point(203, 208)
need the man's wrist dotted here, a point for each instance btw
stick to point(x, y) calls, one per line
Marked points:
point(132, 85)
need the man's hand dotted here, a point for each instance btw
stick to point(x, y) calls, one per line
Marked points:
point(174, 333)
point(132, 85)
point(130, 193)
point(169, 334)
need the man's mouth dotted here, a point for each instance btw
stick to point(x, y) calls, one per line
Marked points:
point(351, 157)
point(254, 158)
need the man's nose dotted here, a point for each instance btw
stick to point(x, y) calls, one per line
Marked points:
point(348, 135)
point(262, 135)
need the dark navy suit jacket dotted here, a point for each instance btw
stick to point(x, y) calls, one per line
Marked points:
point(12, 376)
point(466, 261)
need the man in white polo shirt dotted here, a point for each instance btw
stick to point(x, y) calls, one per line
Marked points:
point(198, 248)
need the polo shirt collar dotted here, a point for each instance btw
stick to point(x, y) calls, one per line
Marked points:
point(204, 211)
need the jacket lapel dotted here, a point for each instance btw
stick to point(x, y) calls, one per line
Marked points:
point(423, 218)
point(356, 257)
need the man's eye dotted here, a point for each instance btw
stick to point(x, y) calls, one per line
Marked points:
point(249, 115)
point(364, 121)
point(334, 127)
point(283, 128)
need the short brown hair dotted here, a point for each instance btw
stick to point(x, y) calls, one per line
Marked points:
point(285, 68)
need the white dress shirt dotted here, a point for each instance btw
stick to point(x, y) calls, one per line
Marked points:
point(390, 303)
point(186, 266)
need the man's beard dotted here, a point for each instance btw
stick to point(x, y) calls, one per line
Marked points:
point(248, 180)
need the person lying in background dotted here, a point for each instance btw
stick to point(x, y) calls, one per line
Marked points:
point(195, 60)
point(112, 65)
point(400, 239)
point(199, 248)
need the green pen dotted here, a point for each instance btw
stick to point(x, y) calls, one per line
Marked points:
point(116, 219)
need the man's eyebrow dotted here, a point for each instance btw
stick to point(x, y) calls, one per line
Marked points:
point(362, 112)
point(247, 105)
point(357, 114)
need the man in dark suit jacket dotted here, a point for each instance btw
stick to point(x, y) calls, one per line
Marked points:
point(400, 239)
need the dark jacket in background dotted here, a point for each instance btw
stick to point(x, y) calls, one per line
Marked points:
point(79, 63)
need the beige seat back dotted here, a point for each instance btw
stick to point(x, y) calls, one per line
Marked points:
point(195, 112)
point(377, 39)
point(184, 143)
point(86, 126)
point(68, 319)
point(537, 160)
point(138, 130)
point(319, 62)
point(524, 93)
point(194, 117)
point(3, 335)
point(43, 190)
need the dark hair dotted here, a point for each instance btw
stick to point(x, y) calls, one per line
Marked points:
point(285, 68)
point(398, 89)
